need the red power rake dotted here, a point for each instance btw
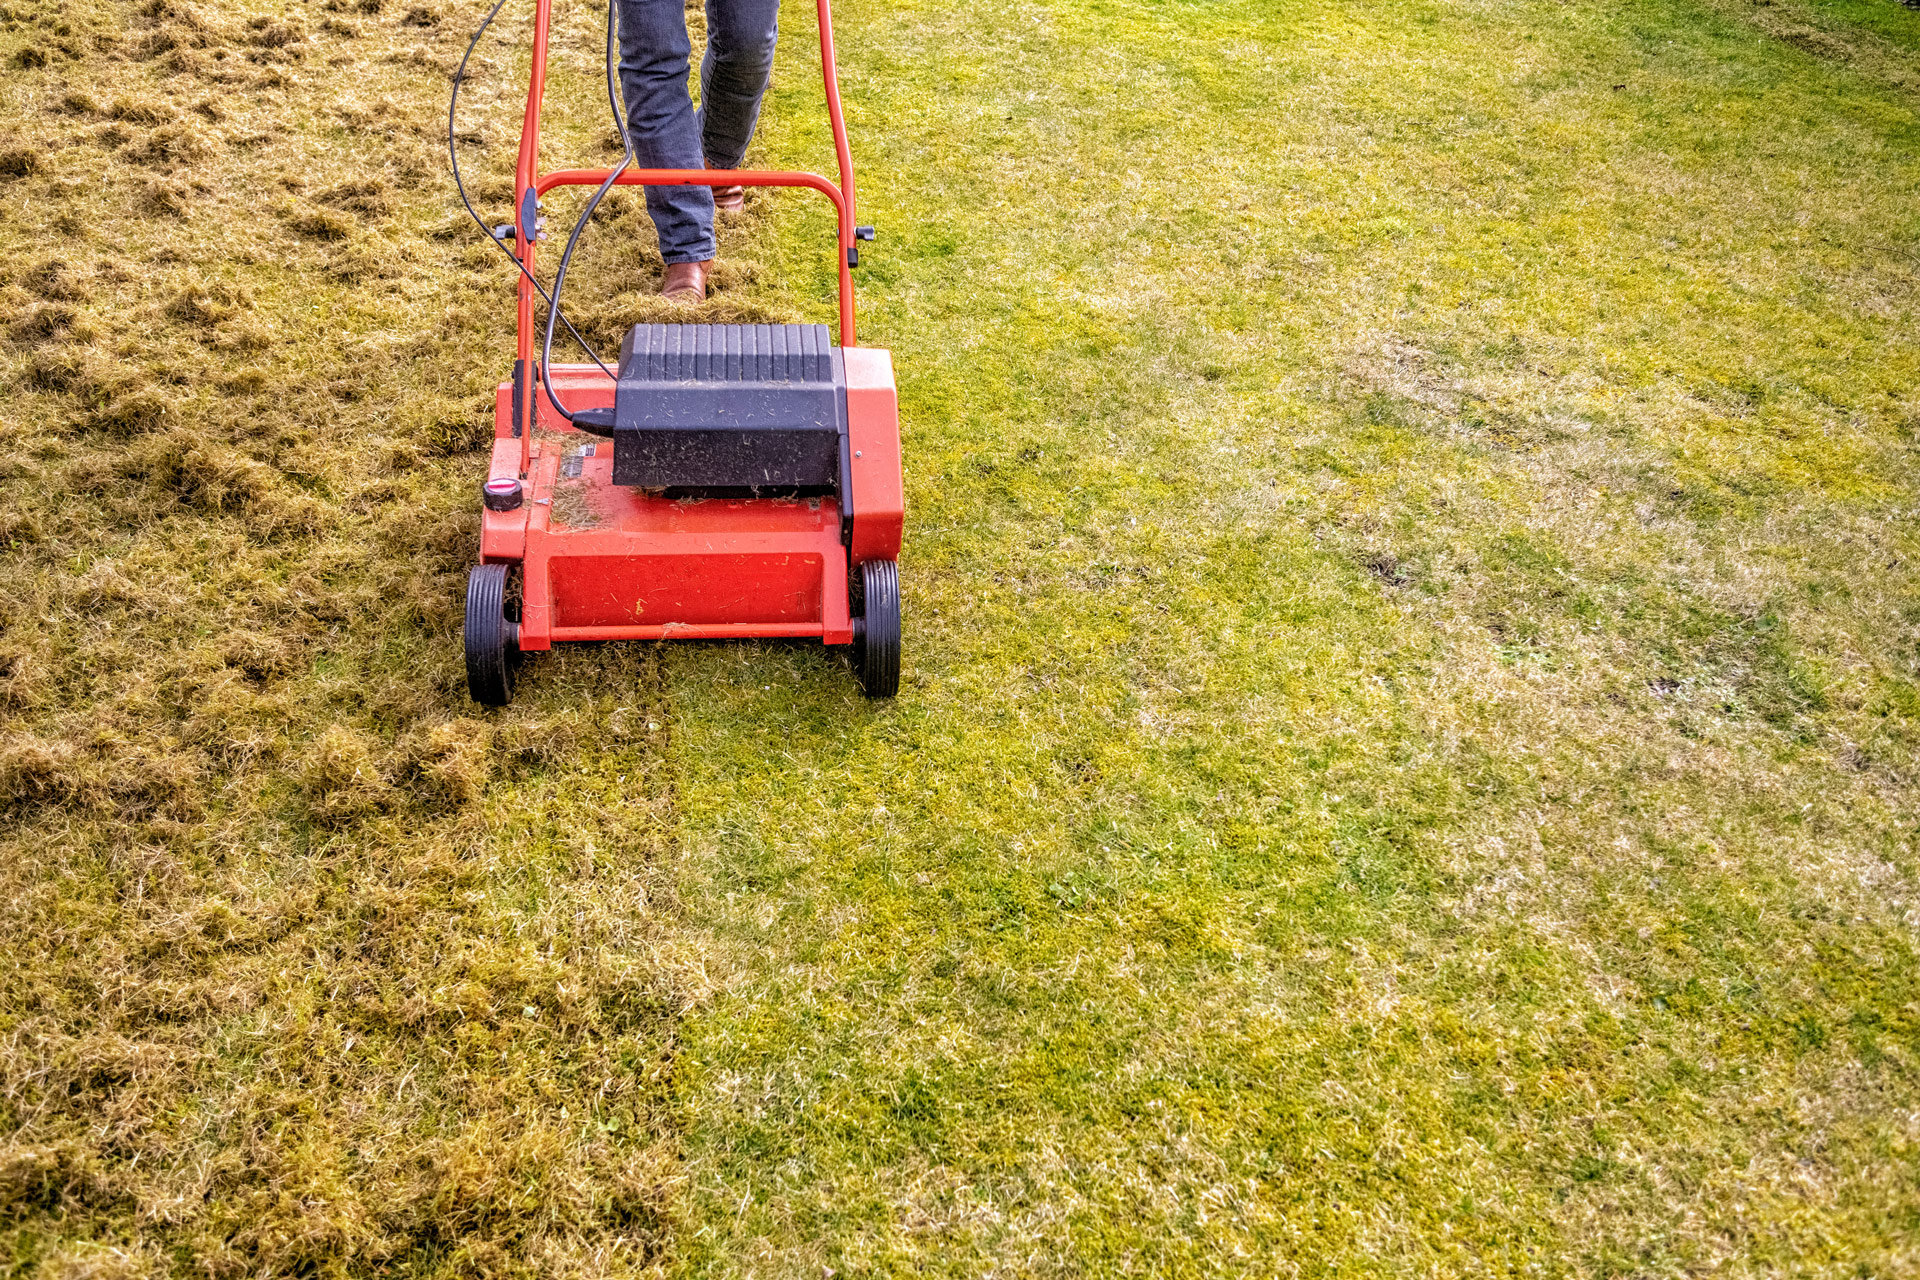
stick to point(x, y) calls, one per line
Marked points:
point(723, 482)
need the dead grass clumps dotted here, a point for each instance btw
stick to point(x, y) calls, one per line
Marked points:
point(365, 257)
point(134, 409)
point(253, 871)
point(42, 321)
point(110, 585)
point(23, 674)
point(57, 280)
point(207, 304)
point(242, 334)
point(107, 776)
point(183, 17)
point(217, 479)
point(361, 195)
point(340, 779)
point(172, 41)
point(261, 656)
point(104, 1262)
point(140, 111)
point(266, 33)
point(451, 763)
point(49, 1177)
point(444, 428)
point(141, 783)
point(167, 197)
point(320, 224)
point(66, 369)
point(37, 771)
point(20, 162)
point(19, 529)
point(170, 146)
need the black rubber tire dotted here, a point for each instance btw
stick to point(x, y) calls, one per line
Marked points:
point(493, 639)
point(876, 639)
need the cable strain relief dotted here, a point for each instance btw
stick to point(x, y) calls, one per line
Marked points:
point(597, 422)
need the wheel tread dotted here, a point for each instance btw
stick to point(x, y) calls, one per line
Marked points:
point(491, 639)
point(879, 637)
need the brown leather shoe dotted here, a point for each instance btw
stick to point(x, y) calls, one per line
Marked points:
point(728, 198)
point(686, 281)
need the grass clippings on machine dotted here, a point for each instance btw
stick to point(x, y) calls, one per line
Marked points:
point(723, 482)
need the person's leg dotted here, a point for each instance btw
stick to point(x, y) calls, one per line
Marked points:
point(733, 75)
point(660, 118)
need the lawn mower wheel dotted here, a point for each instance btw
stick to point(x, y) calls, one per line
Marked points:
point(493, 638)
point(876, 632)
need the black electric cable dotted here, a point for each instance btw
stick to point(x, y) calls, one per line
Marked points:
point(453, 158)
point(615, 100)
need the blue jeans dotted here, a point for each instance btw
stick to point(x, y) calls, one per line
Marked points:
point(667, 132)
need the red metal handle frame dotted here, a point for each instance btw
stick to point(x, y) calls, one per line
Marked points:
point(526, 178)
point(725, 178)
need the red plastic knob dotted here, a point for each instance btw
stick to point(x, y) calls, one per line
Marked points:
point(502, 493)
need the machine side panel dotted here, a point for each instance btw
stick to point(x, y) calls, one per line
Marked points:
point(503, 534)
point(873, 430)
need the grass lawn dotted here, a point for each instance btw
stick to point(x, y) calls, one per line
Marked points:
point(1407, 757)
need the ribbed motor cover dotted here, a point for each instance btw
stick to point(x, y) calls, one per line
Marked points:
point(734, 410)
point(727, 353)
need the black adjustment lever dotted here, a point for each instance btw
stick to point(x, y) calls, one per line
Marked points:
point(853, 251)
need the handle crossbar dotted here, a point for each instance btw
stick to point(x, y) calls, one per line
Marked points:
point(728, 178)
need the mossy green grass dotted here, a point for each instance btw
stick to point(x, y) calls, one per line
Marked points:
point(1407, 526)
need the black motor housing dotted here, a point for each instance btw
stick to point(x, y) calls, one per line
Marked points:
point(730, 411)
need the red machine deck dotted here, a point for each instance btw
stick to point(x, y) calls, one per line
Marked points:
point(607, 562)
